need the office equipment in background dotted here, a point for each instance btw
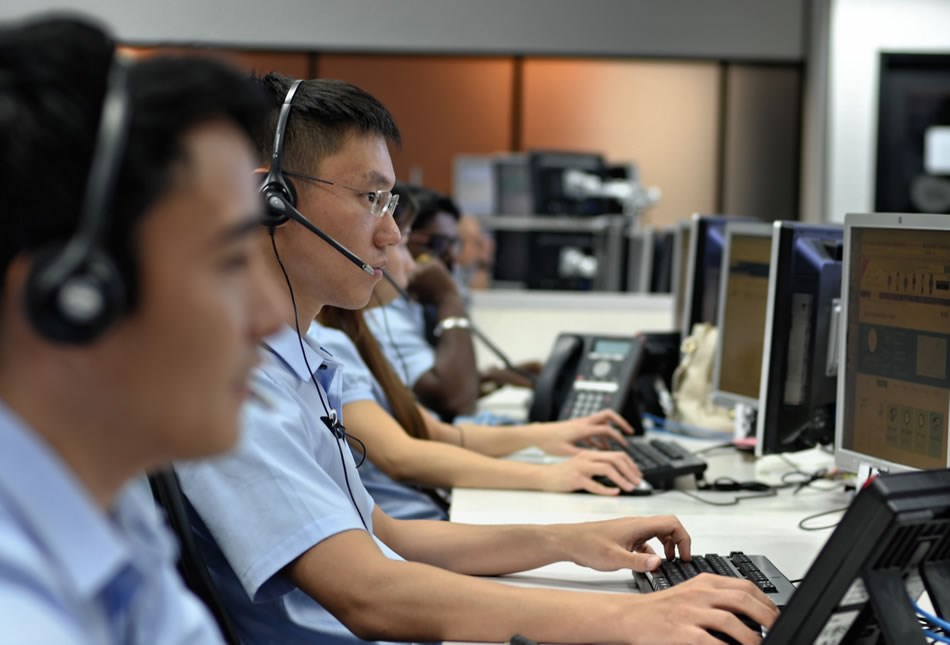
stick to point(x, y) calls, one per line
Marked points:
point(743, 296)
point(640, 249)
point(552, 194)
point(913, 104)
point(475, 184)
point(681, 245)
point(891, 545)
point(585, 373)
point(894, 384)
point(700, 297)
point(798, 379)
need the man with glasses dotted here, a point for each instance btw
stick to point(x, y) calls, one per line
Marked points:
point(296, 545)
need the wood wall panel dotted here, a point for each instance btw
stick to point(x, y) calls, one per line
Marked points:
point(663, 115)
point(444, 106)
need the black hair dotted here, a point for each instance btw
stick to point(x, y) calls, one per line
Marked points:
point(407, 208)
point(431, 203)
point(53, 74)
point(324, 112)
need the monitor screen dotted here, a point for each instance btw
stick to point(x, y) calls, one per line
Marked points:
point(894, 385)
point(706, 239)
point(743, 293)
point(798, 382)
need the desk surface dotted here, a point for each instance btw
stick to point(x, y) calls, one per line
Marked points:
point(762, 525)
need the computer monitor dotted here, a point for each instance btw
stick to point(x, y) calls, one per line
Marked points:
point(798, 381)
point(894, 383)
point(707, 236)
point(891, 545)
point(661, 261)
point(743, 293)
point(681, 233)
point(640, 259)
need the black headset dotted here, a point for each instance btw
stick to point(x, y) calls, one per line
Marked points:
point(278, 191)
point(74, 291)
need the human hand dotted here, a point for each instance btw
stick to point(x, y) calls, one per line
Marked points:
point(430, 282)
point(561, 437)
point(578, 472)
point(687, 612)
point(623, 543)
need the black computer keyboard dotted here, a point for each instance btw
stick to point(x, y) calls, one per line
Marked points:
point(661, 461)
point(756, 568)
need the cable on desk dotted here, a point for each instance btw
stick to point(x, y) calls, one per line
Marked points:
point(802, 526)
point(733, 502)
point(718, 446)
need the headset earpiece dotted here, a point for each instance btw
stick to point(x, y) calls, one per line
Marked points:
point(74, 291)
point(278, 193)
point(77, 306)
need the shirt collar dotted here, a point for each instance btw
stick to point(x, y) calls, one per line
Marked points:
point(57, 510)
point(285, 344)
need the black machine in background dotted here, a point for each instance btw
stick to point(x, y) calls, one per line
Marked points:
point(913, 97)
point(550, 234)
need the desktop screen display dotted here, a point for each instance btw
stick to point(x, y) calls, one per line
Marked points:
point(798, 382)
point(706, 238)
point(894, 387)
point(742, 308)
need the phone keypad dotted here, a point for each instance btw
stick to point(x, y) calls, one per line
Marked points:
point(586, 403)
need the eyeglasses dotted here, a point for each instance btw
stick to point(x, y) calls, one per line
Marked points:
point(438, 244)
point(379, 202)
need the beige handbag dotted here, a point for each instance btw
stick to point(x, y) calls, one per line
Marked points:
point(692, 382)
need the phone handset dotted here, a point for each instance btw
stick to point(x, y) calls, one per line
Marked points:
point(555, 377)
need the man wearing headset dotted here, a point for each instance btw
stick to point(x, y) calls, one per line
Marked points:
point(297, 547)
point(132, 303)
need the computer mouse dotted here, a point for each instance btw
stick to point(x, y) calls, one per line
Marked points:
point(643, 488)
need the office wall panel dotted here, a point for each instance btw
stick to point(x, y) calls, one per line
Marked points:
point(662, 115)
point(444, 106)
point(762, 141)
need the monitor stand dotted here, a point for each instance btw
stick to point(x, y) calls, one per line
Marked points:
point(891, 604)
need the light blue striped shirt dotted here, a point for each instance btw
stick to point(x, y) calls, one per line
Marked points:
point(284, 489)
point(70, 573)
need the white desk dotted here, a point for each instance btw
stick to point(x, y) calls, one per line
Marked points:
point(767, 526)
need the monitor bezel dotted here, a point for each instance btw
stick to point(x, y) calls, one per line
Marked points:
point(846, 459)
point(766, 391)
point(753, 229)
point(698, 221)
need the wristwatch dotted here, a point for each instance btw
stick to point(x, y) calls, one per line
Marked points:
point(452, 322)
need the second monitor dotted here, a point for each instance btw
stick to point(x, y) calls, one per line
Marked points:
point(743, 295)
